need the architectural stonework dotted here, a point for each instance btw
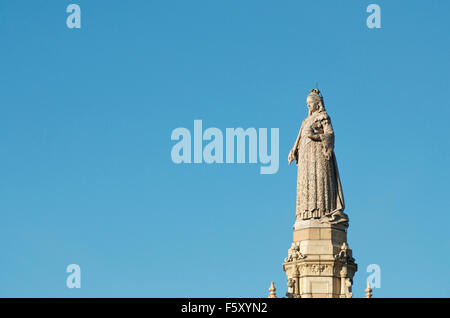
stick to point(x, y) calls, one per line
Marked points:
point(319, 262)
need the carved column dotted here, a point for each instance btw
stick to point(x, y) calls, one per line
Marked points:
point(297, 281)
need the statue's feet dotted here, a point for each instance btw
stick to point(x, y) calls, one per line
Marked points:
point(335, 217)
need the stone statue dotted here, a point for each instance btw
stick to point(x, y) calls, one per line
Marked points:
point(319, 190)
point(294, 253)
point(344, 255)
point(291, 288)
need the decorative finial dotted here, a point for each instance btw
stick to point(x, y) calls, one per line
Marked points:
point(272, 290)
point(368, 291)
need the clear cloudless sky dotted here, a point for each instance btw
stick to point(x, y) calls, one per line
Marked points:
point(86, 118)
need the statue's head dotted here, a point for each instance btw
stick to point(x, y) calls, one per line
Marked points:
point(314, 101)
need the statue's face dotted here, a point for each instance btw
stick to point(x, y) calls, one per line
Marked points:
point(312, 105)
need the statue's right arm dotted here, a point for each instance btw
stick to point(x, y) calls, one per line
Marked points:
point(293, 154)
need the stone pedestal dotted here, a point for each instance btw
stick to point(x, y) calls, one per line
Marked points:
point(319, 262)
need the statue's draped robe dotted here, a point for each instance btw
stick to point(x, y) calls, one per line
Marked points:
point(319, 191)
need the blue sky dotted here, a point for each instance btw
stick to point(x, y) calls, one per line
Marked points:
point(86, 118)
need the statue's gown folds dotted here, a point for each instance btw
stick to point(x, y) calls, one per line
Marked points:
point(319, 190)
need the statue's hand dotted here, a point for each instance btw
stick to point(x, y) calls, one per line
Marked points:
point(291, 156)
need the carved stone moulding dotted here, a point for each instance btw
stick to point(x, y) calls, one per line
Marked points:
point(316, 223)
